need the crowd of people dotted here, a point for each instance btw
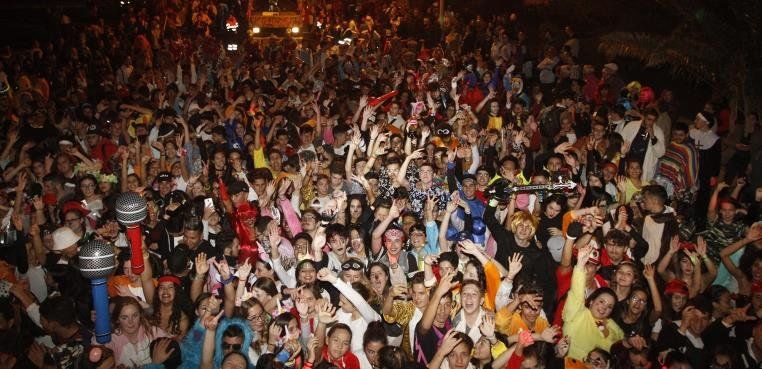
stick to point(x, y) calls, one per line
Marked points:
point(390, 192)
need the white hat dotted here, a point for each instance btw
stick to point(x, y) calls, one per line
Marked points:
point(611, 66)
point(63, 238)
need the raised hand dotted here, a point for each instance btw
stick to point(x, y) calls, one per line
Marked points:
point(514, 265)
point(211, 322)
point(550, 333)
point(701, 246)
point(326, 313)
point(202, 267)
point(488, 326)
point(674, 244)
point(649, 272)
point(562, 347)
point(222, 267)
point(468, 247)
point(326, 275)
point(450, 341)
point(243, 271)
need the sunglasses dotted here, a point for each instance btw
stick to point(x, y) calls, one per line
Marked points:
point(443, 132)
point(233, 346)
point(353, 265)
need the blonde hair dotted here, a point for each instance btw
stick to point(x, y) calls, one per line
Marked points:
point(521, 217)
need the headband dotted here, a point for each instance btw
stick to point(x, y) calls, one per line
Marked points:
point(169, 278)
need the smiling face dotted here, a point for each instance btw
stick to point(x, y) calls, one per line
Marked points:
point(625, 275)
point(524, 231)
point(256, 318)
point(471, 298)
point(602, 306)
point(166, 292)
point(378, 278)
point(677, 302)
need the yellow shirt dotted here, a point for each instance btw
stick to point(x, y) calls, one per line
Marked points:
point(511, 323)
point(580, 325)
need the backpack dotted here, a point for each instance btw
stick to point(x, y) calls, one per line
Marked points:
point(550, 122)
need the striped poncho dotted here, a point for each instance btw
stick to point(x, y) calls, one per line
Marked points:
point(679, 165)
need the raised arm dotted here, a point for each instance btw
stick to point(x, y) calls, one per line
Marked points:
point(650, 277)
point(711, 211)
point(378, 232)
point(663, 267)
point(445, 284)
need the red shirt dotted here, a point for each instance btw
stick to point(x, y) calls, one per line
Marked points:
point(348, 361)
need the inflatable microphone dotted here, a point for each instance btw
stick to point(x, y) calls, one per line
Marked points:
point(130, 212)
point(96, 262)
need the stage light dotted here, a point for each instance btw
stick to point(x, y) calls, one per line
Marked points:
point(256, 30)
point(294, 29)
point(232, 47)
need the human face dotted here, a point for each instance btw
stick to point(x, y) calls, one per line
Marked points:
point(649, 120)
point(679, 136)
point(727, 212)
point(192, 238)
point(338, 343)
point(443, 310)
point(686, 266)
point(445, 267)
point(634, 170)
point(355, 208)
point(323, 187)
point(426, 174)
point(261, 270)
point(301, 246)
point(256, 318)
point(73, 220)
point(471, 298)
point(482, 349)
point(723, 304)
point(594, 181)
point(638, 302)
point(530, 363)
point(469, 189)
point(596, 360)
point(259, 186)
point(307, 274)
point(371, 352)
point(625, 276)
point(699, 322)
point(554, 164)
point(524, 231)
point(470, 272)
point(350, 276)
point(88, 187)
point(230, 344)
point(552, 210)
point(234, 362)
point(394, 246)
point(167, 292)
point(261, 295)
point(129, 319)
point(602, 306)
point(678, 301)
point(459, 357)
point(756, 271)
point(378, 278)
point(308, 222)
point(616, 252)
point(420, 295)
point(482, 177)
point(417, 238)
point(127, 269)
point(529, 314)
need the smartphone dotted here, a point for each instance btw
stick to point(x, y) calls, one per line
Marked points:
point(209, 203)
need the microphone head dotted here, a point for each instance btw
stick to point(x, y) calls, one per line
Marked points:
point(130, 209)
point(96, 259)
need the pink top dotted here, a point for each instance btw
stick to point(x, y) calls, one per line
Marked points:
point(134, 354)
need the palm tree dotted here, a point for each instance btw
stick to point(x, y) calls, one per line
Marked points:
point(715, 43)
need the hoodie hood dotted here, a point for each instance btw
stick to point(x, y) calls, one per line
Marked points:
point(248, 337)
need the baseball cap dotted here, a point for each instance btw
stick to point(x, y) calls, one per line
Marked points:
point(164, 176)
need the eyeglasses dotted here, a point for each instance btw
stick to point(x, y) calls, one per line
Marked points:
point(72, 220)
point(598, 361)
point(89, 185)
point(637, 301)
point(233, 346)
point(353, 265)
point(259, 317)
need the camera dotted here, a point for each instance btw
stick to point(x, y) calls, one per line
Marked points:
point(499, 190)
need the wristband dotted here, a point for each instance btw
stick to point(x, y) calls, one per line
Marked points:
point(226, 282)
